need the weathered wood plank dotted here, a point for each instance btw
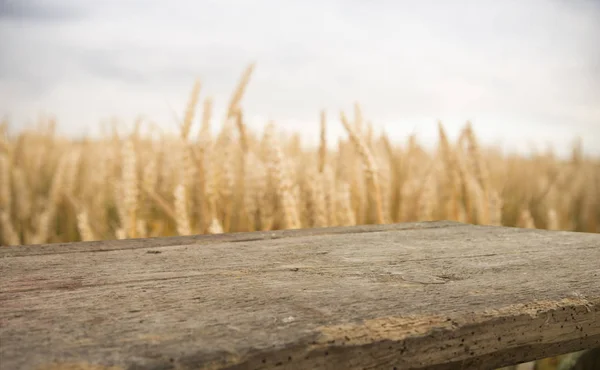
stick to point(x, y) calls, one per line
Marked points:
point(436, 295)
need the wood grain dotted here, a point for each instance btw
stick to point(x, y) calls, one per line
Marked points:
point(436, 295)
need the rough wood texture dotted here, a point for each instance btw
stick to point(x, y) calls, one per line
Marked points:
point(438, 295)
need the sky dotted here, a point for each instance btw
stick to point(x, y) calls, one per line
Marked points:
point(526, 74)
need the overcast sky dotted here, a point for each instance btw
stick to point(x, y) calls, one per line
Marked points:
point(525, 71)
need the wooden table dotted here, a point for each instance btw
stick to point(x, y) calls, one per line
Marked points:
point(434, 295)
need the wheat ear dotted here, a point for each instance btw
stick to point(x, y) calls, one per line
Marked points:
point(190, 111)
point(239, 91)
point(370, 166)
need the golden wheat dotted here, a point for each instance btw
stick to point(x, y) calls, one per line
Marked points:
point(54, 189)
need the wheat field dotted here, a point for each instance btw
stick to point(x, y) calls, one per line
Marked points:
point(56, 189)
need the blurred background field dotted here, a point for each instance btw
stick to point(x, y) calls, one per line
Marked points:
point(129, 185)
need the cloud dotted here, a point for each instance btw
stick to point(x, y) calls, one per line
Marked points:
point(37, 11)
